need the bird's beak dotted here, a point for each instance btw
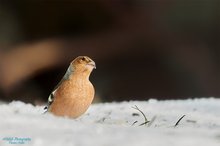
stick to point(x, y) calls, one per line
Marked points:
point(92, 64)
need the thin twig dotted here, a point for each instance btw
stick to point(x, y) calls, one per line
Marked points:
point(145, 123)
point(145, 118)
point(134, 123)
point(177, 123)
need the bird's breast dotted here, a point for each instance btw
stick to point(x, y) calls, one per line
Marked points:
point(73, 98)
point(75, 89)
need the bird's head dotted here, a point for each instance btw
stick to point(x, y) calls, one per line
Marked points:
point(83, 63)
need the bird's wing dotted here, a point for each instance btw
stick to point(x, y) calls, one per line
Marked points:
point(50, 101)
point(51, 96)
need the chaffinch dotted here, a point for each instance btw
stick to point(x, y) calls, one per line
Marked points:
point(74, 93)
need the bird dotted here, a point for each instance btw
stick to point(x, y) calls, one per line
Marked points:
point(74, 93)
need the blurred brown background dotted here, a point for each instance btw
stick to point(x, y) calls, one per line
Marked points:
point(143, 48)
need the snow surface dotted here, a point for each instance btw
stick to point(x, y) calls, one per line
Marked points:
point(115, 124)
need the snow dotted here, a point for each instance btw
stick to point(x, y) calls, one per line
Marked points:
point(115, 124)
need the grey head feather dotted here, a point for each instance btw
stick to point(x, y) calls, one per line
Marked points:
point(65, 77)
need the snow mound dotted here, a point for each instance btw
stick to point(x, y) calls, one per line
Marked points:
point(118, 124)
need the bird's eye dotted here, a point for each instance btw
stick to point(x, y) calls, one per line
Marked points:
point(83, 59)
